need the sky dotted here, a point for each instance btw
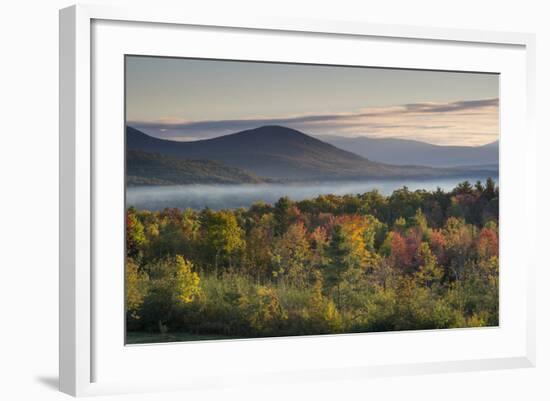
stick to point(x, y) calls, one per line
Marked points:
point(192, 99)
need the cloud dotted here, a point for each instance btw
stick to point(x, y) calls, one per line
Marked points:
point(451, 107)
point(465, 122)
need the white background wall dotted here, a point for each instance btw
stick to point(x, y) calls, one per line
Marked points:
point(29, 186)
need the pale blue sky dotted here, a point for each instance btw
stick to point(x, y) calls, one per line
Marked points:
point(189, 99)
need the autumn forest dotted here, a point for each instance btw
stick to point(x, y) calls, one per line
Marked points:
point(331, 264)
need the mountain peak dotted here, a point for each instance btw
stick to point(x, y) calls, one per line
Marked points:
point(273, 130)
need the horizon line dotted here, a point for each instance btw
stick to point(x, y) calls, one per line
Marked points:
point(318, 136)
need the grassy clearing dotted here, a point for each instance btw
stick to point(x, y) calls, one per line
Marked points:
point(151, 338)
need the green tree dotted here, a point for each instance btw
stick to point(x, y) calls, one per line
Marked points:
point(429, 273)
point(375, 204)
point(404, 203)
point(282, 215)
point(490, 192)
point(464, 188)
point(346, 253)
point(222, 236)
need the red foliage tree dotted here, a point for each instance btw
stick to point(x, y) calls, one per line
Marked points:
point(437, 245)
point(487, 244)
point(399, 253)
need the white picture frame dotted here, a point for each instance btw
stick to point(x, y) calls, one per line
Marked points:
point(86, 352)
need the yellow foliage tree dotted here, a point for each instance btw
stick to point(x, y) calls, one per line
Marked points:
point(188, 282)
point(264, 310)
point(323, 311)
point(136, 288)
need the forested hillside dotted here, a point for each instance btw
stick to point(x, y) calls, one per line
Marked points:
point(144, 168)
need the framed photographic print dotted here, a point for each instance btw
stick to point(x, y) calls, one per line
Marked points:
point(292, 199)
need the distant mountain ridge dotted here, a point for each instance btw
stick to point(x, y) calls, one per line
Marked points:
point(281, 153)
point(409, 152)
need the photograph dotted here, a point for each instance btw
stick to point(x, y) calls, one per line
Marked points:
point(274, 199)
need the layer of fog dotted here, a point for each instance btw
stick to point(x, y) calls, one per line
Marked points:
point(244, 195)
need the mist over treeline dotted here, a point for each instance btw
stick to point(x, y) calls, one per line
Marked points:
point(218, 197)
